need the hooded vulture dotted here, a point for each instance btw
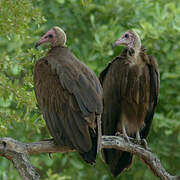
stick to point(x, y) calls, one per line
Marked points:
point(69, 95)
point(131, 85)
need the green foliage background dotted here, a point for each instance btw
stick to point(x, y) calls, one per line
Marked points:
point(91, 26)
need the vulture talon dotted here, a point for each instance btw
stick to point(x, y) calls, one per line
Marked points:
point(118, 134)
point(127, 139)
point(145, 145)
point(50, 155)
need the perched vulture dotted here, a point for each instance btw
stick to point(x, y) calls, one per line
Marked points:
point(69, 95)
point(131, 86)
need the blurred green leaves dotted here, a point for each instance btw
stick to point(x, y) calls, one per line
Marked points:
point(91, 27)
point(17, 15)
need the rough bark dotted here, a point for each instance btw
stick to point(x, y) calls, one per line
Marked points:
point(19, 152)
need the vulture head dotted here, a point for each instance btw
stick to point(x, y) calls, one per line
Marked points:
point(130, 39)
point(55, 36)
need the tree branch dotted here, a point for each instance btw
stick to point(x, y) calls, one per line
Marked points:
point(19, 152)
point(144, 154)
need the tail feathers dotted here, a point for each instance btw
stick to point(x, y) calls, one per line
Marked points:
point(117, 160)
point(90, 156)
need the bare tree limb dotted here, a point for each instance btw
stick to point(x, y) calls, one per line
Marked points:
point(16, 152)
point(145, 155)
point(19, 152)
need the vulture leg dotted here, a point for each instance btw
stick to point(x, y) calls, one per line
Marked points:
point(99, 133)
point(138, 136)
point(124, 132)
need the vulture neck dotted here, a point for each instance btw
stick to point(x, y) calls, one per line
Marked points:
point(135, 54)
point(57, 50)
point(58, 46)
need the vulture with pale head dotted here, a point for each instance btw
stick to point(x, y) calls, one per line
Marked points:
point(69, 95)
point(131, 86)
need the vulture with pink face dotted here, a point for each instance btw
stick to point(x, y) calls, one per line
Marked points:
point(131, 85)
point(69, 95)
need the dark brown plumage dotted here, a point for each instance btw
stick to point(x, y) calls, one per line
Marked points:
point(70, 98)
point(131, 86)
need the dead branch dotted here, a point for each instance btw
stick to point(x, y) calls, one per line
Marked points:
point(143, 153)
point(19, 152)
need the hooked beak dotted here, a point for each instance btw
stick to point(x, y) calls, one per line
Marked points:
point(36, 45)
point(44, 39)
point(118, 42)
point(41, 41)
point(114, 45)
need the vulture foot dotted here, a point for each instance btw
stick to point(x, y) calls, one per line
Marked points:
point(125, 136)
point(144, 144)
point(50, 155)
point(118, 134)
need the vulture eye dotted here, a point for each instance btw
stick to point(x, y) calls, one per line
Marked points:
point(50, 36)
point(126, 36)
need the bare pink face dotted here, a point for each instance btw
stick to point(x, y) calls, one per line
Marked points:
point(49, 37)
point(126, 39)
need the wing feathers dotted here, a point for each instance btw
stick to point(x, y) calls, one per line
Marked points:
point(70, 96)
point(84, 91)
